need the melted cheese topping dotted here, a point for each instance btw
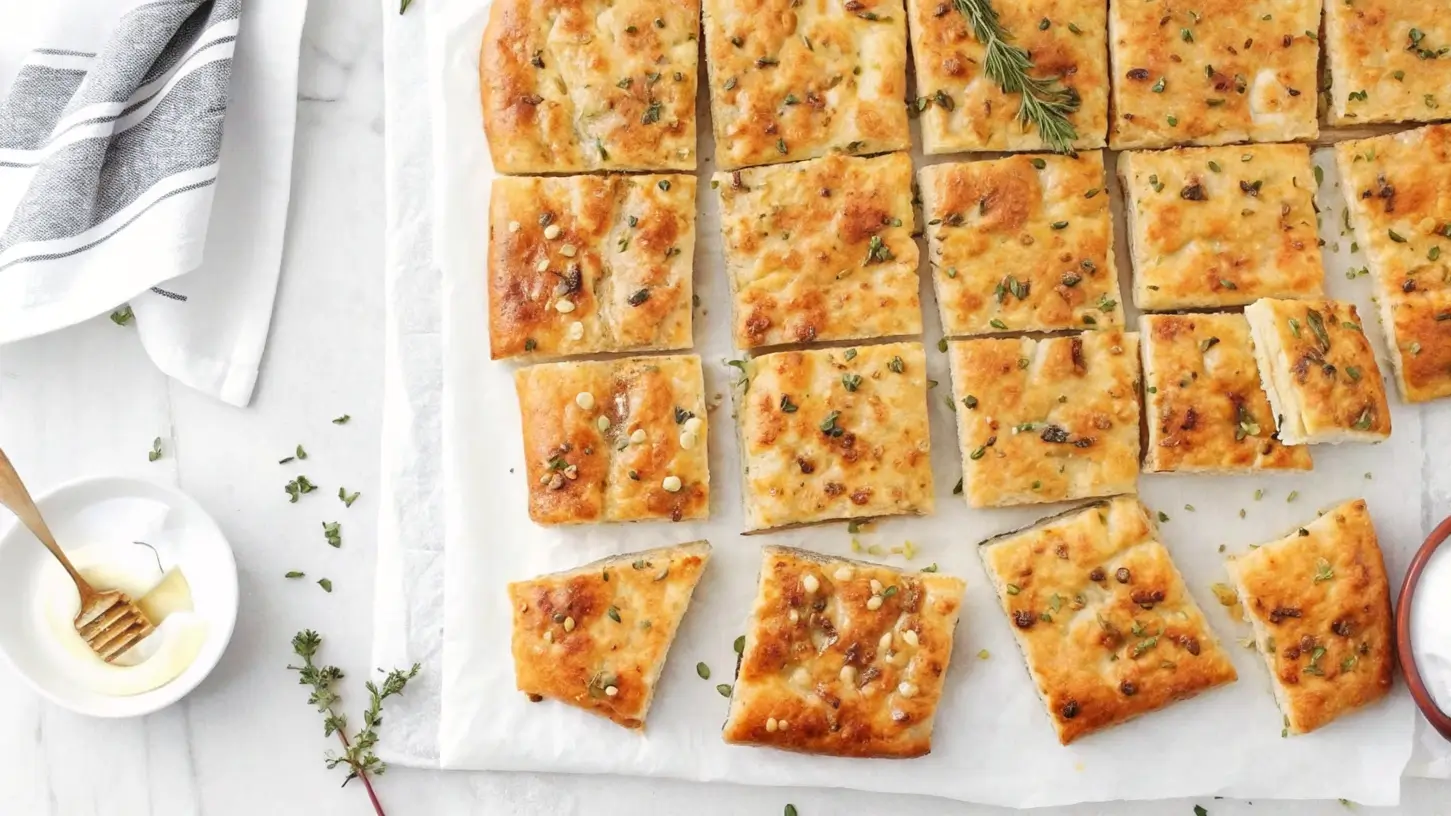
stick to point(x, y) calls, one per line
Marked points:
point(596, 637)
point(585, 264)
point(843, 658)
point(618, 440)
point(1398, 192)
point(573, 85)
point(1206, 410)
point(1018, 247)
point(821, 250)
point(1210, 228)
point(1319, 371)
point(963, 109)
point(1047, 420)
point(1388, 61)
point(1320, 605)
point(835, 434)
point(795, 79)
point(1213, 71)
point(1103, 618)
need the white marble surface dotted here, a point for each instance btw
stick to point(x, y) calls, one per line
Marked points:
point(87, 402)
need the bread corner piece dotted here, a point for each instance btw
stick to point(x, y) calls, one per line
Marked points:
point(843, 658)
point(615, 440)
point(1393, 191)
point(1206, 411)
point(835, 434)
point(1106, 626)
point(596, 636)
point(1047, 420)
point(1384, 65)
point(1320, 605)
point(1318, 371)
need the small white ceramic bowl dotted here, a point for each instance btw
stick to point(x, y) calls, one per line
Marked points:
point(110, 510)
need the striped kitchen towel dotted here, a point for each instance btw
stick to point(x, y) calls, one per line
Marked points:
point(111, 157)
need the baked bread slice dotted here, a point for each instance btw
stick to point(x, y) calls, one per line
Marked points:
point(843, 658)
point(1021, 244)
point(1106, 626)
point(1318, 371)
point(821, 250)
point(792, 80)
point(835, 434)
point(1213, 72)
point(963, 109)
point(585, 264)
point(615, 440)
point(575, 85)
point(1321, 610)
point(1206, 411)
point(1216, 227)
point(1387, 61)
point(596, 636)
point(1395, 191)
point(1047, 420)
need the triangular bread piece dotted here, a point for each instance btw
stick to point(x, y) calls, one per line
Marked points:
point(596, 636)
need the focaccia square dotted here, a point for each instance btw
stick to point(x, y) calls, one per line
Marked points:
point(585, 264)
point(596, 636)
point(1206, 411)
point(1213, 71)
point(1106, 626)
point(1021, 244)
point(1047, 420)
point(1387, 60)
point(574, 85)
point(835, 434)
point(964, 109)
point(793, 80)
point(1321, 609)
point(821, 250)
point(843, 658)
point(1396, 191)
point(1318, 371)
point(1221, 226)
point(615, 440)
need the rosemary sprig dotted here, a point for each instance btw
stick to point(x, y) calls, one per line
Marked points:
point(1046, 104)
point(357, 753)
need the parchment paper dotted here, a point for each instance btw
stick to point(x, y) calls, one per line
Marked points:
point(993, 742)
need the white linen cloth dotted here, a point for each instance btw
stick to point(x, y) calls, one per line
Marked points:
point(145, 156)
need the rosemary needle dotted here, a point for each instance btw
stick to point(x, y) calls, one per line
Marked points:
point(1046, 104)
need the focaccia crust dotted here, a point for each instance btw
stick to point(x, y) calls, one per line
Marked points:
point(1398, 192)
point(1213, 71)
point(835, 434)
point(964, 109)
point(617, 440)
point(1387, 61)
point(1047, 420)
point(1221, 226)
point(596, 636)
point(584, 264)
point(1319, 371)
point(1320, 605)
point(1207, 412)
point(575, 85)
point(793, 80)
point(1021, 244)
point(1106, 626)
point(821, 250)
point(843, 658)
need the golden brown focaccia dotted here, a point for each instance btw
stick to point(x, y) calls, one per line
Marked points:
point(1388, 60)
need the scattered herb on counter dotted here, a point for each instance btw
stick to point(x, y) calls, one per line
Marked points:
point(1200, 811)
point(343, 420)
point(724, 689)
point(155, 452)
point(740, 645)
point(402, 8)
point(348, 498)
point(295, 574)
point(357, 754)
point(122, 316)
point(790, 810)
point(333, 532)
point(702, 670)
point(297, 487)
point(284, 460)
point(326, 584)
point(301, 453)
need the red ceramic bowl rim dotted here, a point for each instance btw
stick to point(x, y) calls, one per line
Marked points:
point(1439, 719)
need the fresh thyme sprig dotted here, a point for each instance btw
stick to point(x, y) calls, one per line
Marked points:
point(1046, 104)
point(357, 754)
